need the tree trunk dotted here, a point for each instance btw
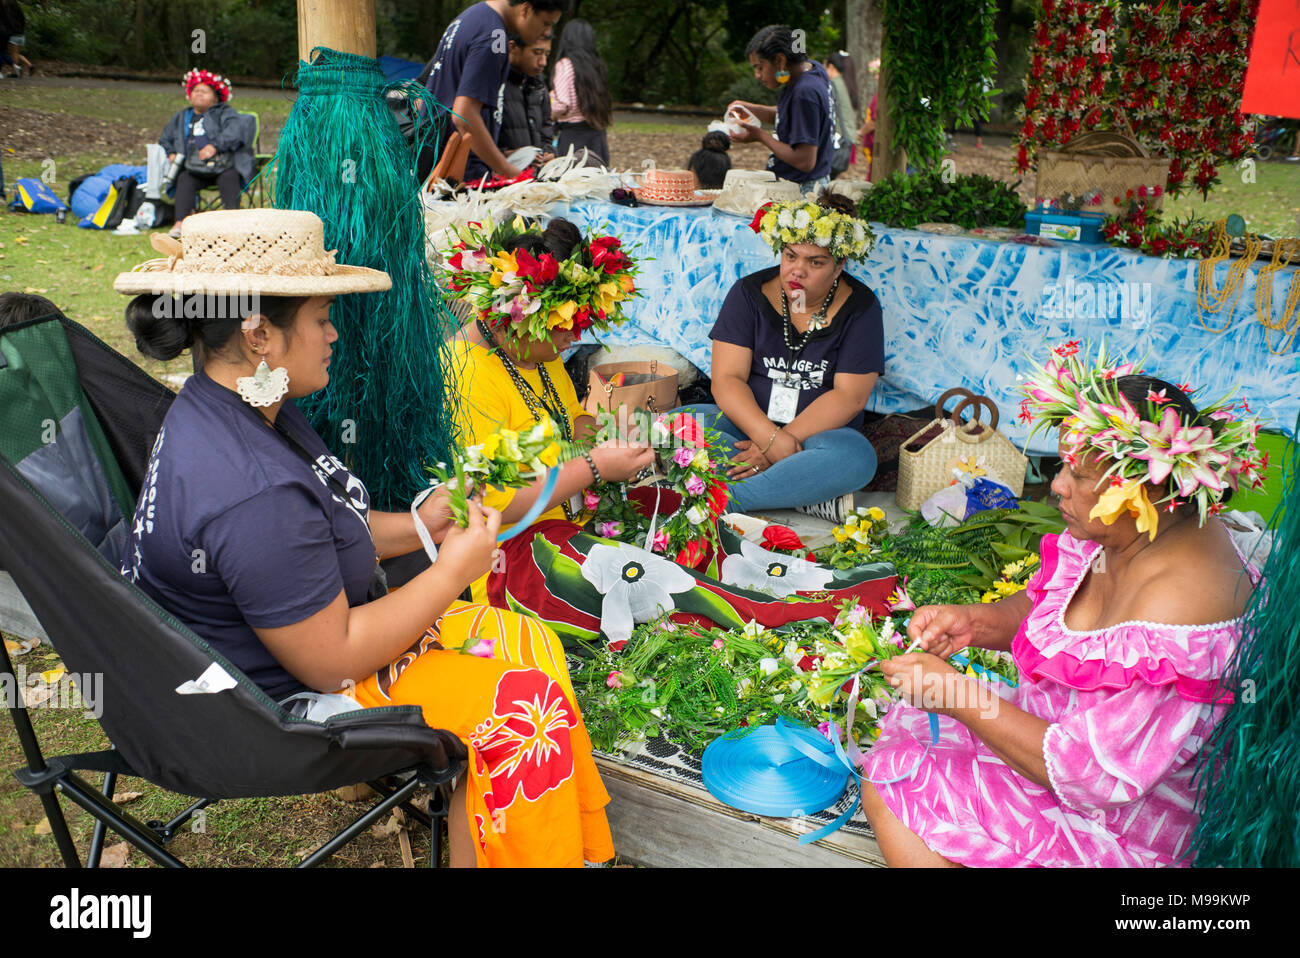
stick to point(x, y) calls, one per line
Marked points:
point(863, 42)
point(884, 158)
point(344, 25)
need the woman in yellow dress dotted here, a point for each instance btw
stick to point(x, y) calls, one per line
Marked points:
point(287, 590)
point(535, 292)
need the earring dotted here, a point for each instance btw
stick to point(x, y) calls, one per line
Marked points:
point(783, 76)
point(265, 387)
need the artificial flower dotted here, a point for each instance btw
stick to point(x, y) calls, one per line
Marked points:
point(1131, 497)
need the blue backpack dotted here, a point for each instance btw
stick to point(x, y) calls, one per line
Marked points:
point(33, 196)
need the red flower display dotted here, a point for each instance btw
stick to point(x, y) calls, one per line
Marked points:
point(1176, 82)
point(685, 428)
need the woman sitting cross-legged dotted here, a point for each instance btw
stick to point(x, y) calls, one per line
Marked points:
point(534, 292)
point(1121, 639)
point(286, 589)
point(796, 352)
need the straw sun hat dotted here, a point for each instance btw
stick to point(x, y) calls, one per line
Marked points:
point(272, 252)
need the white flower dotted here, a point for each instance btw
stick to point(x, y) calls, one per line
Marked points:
point(659, 434)
point(637, 586)
point(743, 687)
point(753, 629)
point(792, 653)
point(785, 220)
point(802, 220)
point(869, 706)
point(779, 575)
point(769, 666)
point(695, 515)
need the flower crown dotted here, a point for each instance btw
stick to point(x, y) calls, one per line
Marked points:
point(220, 85)
point(1195, 461)
point(802, 222)
point(529, 295)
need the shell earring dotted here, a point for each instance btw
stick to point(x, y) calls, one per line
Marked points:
point(265, 387)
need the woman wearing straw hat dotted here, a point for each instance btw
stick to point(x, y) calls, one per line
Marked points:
point(252, 534)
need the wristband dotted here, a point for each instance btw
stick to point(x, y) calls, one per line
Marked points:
point(595, 473)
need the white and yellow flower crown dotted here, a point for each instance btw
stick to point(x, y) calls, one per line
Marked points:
point(804, 222)
point(1196, 460)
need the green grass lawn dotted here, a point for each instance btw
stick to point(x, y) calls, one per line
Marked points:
point(1269, 205)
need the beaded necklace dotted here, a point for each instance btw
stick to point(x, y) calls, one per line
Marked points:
point(536, 404)
point(816, 322)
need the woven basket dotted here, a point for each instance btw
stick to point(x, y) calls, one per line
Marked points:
point(1109, 164)
point(927, 460)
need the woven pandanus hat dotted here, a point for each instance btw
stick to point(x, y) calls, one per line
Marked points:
point(272, 252)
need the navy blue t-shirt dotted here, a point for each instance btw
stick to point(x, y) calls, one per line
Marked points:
point(234, 529)
point(805, 113)
point(853, 343)
point(473, 60)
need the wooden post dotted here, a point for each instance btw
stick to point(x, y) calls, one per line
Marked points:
point(344, 25)
point(884, 158)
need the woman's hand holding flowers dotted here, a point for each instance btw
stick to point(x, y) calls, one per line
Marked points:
point(621, 459)
point(925, 681)
point(436, 514)
point(472, 548)
point(942, 629)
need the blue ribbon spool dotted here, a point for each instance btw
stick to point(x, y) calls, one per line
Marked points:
point(769, 771)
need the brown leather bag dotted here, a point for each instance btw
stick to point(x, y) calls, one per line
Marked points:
point(648, 385)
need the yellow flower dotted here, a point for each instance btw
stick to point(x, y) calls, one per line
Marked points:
point(1012, 569)
point(1008, 588)
point(562, 315)
point(625, 281)
point(876, 513)
point(875, 732)
point(1031, 559)
point(505, 262)
point(990, 597)
point(550, 455)
point(607, 294)
point(509, 446)
point(840, 533)
point(491, 445)
point(1130, 497)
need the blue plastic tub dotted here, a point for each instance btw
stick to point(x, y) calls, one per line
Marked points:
point(1070, 227)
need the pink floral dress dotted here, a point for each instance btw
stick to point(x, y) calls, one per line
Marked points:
point(1129, 707)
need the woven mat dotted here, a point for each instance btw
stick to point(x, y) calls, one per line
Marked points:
point(667, 760)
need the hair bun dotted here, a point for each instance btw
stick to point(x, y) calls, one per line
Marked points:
point(159, 325)
point(830, 200)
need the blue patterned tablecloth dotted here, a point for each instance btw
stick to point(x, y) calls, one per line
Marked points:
point(965, 312)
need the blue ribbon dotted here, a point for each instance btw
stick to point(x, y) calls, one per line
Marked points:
point(966, 663)
point(536, 509)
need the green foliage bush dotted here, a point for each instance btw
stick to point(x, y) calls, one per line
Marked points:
point(904, 200)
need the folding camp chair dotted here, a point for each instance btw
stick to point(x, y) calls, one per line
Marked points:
point(226, 738)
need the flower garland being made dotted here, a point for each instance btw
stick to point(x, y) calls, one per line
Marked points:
point(529, 296)
point(506, 459)
point(1193, 461)
point(804, 222)
point(693, 462)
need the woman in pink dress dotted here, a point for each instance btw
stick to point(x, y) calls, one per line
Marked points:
point(1120, 638)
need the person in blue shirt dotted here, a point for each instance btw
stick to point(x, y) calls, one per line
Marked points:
point(804, 116)
point(468, 74)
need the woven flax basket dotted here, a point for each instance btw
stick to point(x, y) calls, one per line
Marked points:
point(927, 460)
point(1109, 164)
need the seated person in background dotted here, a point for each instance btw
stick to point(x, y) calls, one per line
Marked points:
point(208, 136)
point(797, 349)
point(526, 115)
point(288, 591)
point(710, 163)
point(1121, 639)
point(510, 373)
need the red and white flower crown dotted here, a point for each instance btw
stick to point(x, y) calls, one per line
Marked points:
point(1195, 461)
point(220, 85)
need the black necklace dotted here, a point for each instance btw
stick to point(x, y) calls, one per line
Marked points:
point(536, 404)
point(794, 341)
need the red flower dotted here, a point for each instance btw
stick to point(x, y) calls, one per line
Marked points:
point(454, 262)
point(693, 555)
point(528, 264)
point(548, 268)
point(685, 428)
point(758, 217)
point(781, 538)
point(719, 495)
point(525, 741)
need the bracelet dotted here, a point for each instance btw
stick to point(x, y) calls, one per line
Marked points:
point(770, 439)
point(595, 473)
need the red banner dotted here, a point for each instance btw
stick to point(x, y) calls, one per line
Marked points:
point(1273, 76)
